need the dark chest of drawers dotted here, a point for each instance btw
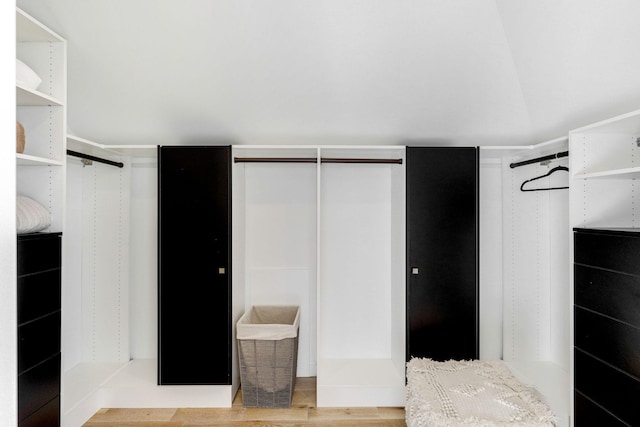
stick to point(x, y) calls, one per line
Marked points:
point(39, 311)
point(606, 327)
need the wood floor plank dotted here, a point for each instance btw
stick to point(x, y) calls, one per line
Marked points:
point(138, 415)
point(297, 414)
point(303, 413)
point(334, 414)
point(191, 416)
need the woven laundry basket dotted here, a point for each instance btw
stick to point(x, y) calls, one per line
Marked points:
point(268, 352)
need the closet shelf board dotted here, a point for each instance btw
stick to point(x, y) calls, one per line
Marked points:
point(86, 146)
point(26, 97)
point(624, 173)
point(624, 124)
point(30, 30)
point(28, 160)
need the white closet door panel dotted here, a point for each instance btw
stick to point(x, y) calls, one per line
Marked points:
point(355, 297)
point(144, 260)
point(526, 267)
point(491, 304)
point(559, 246)
point(72, 271)
point(105, 264)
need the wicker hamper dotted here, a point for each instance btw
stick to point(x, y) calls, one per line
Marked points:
point(268, 351)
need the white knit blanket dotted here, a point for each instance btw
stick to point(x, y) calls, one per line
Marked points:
point(470, 393)
point(31, 216)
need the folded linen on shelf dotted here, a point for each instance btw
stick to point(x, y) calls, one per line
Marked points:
point(31, 216)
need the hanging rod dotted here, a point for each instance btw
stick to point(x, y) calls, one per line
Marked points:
point(539, 159)
point(275, 160)
point(347, 160)
point(312, 160)
point(94, 158)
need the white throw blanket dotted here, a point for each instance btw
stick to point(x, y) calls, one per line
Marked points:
point(31, 216)
point(470, 393)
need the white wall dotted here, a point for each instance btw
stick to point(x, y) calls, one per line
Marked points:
point(356, 272)
point(72, 271)
point(143, 330)
point(491, 259)
point(280, 245)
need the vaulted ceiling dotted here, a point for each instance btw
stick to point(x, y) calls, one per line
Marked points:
point(429, 72)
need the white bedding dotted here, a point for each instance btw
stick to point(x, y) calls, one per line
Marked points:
point(31, 216)
point(470, 393)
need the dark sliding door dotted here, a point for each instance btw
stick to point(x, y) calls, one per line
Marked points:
point(194, 260)
point(442, 253)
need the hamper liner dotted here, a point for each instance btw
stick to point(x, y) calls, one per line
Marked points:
point(268, 351)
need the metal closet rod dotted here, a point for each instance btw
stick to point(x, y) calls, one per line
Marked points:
point(312, 160)
point(539, 159)
point(95, 159)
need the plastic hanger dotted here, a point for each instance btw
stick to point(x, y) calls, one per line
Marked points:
point(556, 169)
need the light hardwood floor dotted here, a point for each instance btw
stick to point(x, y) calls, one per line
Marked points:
point(303, 412)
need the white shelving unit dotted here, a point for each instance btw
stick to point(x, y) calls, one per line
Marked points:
point(361, 279)
point(97, 356)
point(110, 317)
point(330, 238)
point(605, 164)
point(42, 112)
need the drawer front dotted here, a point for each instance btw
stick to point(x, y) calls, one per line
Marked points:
point(613, 294)
point(613, 390)
point(609, 340)
point(38, 386)
point(38, 295)
point(47, 416)
point(38, 341)
point(588, 413)
point(614, 252)
point(38, 254)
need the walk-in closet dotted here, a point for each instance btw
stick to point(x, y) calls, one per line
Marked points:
point(439, 180)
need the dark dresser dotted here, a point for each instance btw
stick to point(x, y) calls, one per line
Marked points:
point(39, 279)
point(607, 327)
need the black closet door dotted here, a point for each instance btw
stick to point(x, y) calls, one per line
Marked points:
point(194, 277)
point(442, 253)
